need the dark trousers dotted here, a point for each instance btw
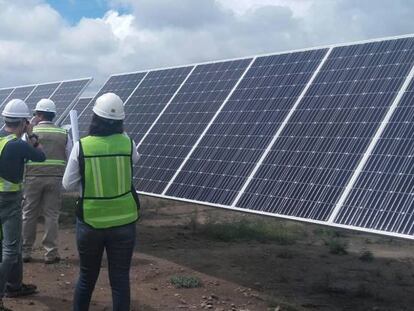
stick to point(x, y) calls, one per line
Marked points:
point(11, 268)
point(119, 245)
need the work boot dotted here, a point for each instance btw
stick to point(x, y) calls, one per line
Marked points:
point(24, 290)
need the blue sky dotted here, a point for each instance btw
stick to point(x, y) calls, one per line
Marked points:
point(73, 10)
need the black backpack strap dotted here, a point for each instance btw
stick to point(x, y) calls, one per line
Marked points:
point(79, 202)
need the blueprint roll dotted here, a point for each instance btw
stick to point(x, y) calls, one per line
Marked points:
point(74, 125)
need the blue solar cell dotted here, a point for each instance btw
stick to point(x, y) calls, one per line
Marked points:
point(186, 117)
point(4, 94)
point(21, 92)
point(383, 196)
point(228, 152)
point(150, 98)
point(66, 94)
point(122, 85)
point(310, 163)
point(79, 106)
point(41, 91)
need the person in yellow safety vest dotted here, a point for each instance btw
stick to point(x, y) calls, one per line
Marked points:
point(14, 152)
point(42, 186)
point(100, 168)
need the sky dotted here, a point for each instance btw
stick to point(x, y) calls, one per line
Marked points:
point(49, 40)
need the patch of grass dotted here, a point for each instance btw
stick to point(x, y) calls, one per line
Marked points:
point(337, 246)
point(251, 230)
point(275, 304)
point(378, 273)
point(283, 279)
point(328, 232)
point(183, 281)
point(366, 256)
point(285, 254)
point(398, 275)
point(363, 291)
point(193, 224)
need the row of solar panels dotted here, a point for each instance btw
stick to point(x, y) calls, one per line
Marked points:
point(64, 93)
point(321, 135)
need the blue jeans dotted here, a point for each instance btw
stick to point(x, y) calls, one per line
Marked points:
point(11, 267)
point(119, 245)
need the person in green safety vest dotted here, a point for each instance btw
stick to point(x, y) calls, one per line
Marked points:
point(42, 186)
point(14, 152)
point(100, 168)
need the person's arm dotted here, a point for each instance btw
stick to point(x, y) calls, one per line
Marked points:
point(33, 154)
point(72, 177)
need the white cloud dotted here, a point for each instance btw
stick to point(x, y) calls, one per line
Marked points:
point(37, 44)
point(298, 7)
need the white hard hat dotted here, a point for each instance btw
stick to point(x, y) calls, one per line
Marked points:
point(16, 108)
point(46, 105)
point(109, 106)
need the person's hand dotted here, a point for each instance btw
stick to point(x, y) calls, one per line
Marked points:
point(34, 121)
point(29, 128)
point(33, 140)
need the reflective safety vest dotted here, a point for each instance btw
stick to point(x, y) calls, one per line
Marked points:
point(7, 186)
point(108, 198)
point(53, 140)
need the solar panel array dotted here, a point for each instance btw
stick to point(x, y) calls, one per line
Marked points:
point(80, 105)
point(122, 85)
point(63, 93)
point(321, 135)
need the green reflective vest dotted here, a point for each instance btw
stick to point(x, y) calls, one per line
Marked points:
point(106, 169)
point(53, 140)
point(7, 186)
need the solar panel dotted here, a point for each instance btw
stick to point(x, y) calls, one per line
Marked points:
point(320, 135)
point(180, 125)
point(151, 98)
point(21, 92)
point(382, 196)
point(4, 94)
point(229, 150)
point(79, 106)
point(62, 93)
point(312, 160)
point(123, 85)
point(40, 91)
point(66, 96)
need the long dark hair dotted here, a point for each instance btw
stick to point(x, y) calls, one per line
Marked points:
point(105, 127)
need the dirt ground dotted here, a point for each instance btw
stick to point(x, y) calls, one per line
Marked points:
point(312, 270)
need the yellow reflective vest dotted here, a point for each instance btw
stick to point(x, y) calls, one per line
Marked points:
point(7, 186)
point(108, 198)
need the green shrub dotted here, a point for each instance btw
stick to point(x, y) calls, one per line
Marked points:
point(252, 230)
point(337, 246)
point(366, 256)
point(182, 281)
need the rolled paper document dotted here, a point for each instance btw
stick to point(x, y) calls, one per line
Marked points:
point(74, 125)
